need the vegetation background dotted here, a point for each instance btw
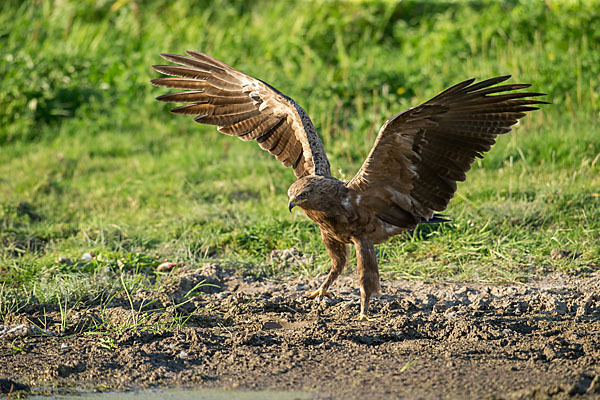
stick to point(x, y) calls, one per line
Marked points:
point(91, 163)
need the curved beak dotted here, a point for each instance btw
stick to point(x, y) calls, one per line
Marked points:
point(292, 203)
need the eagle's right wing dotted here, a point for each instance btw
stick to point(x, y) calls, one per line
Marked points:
point(245, 107)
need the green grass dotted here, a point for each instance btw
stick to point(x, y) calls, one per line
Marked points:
point(90, 162)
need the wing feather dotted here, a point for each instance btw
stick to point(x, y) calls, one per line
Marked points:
point(202, 96)
point(246, 126)
point(210, 109)
point(245, 107)
point(263, 129)
point(421, 153)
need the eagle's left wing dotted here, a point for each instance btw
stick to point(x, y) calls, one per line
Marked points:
point(420, 153)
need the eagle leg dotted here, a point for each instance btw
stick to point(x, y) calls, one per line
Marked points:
point(338, 252)
point(368, 274)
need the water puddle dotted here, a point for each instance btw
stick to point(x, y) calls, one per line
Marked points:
point(195, 394)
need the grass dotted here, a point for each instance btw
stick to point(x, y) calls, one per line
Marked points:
point(90, 162)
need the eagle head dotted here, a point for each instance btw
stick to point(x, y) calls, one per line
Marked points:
point(312, 192)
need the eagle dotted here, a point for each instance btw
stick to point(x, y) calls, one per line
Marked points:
point(409, 175)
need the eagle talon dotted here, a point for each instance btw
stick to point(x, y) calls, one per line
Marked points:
point(363, 317)
point(320, 293)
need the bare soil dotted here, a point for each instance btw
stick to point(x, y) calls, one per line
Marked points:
point(427, 340)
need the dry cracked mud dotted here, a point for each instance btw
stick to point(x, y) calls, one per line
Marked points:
point(427, 340)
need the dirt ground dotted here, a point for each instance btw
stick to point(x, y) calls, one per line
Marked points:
point(427, 340)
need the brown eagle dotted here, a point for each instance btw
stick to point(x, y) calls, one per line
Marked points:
point(410, 173)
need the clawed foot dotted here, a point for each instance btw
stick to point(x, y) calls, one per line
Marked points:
point(363, 317)
point(320, 293)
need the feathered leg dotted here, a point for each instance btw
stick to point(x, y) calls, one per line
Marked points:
point(368, 274)
point(338, 252)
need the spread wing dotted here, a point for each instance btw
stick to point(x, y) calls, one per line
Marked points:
point(245, 107)
point(420, 153)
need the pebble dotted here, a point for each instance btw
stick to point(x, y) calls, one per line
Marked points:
point(10, 332)
point(166, 266)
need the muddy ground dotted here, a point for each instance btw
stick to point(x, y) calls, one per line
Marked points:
point(427, 340)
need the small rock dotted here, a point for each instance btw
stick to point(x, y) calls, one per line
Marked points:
point(183, 355)
point(10, 332)
point(87, 256)
point(167, 266)
point(64, 346)
point(269, 325)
